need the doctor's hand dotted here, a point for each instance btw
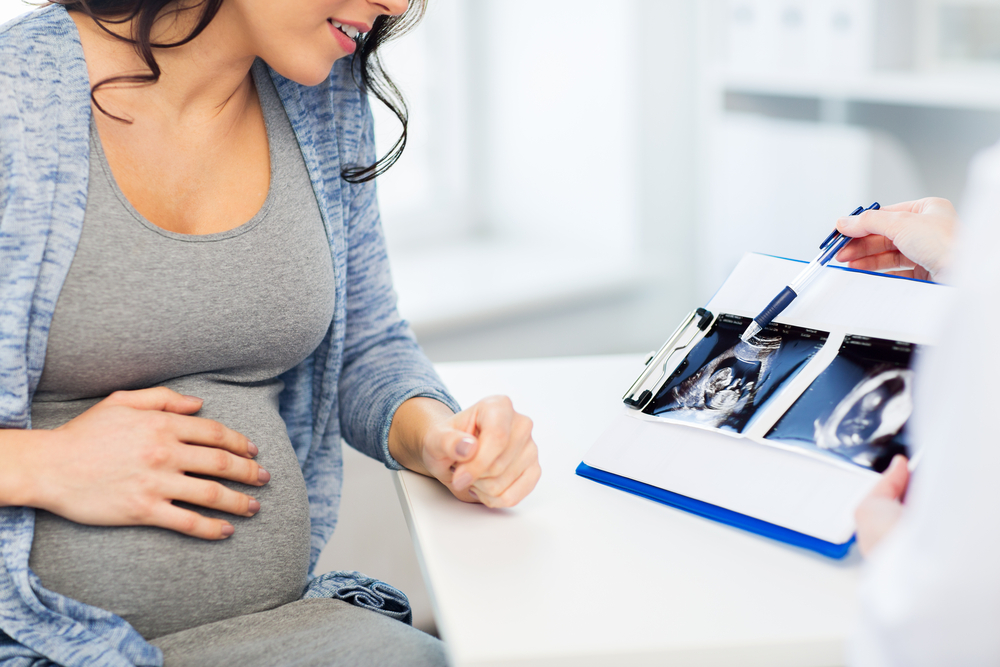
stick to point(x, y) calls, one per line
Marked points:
point(483, 454)
point(882, 507)
point(913, 239)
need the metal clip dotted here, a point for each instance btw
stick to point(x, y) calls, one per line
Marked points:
point(643, 389)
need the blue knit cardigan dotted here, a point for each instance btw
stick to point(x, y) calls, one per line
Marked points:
point(351, 385)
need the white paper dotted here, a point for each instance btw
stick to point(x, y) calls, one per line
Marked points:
point(838, 300)
point(785, 486)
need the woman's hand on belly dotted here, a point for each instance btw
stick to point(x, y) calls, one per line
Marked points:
point(123, 462)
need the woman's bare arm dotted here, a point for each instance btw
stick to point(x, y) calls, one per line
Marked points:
point(16, 465)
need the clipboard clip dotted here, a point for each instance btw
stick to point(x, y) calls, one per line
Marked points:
point(660, 366)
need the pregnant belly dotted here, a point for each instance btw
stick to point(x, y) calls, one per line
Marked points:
point(163, 582)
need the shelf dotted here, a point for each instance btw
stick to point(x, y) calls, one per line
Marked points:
point(949, 90)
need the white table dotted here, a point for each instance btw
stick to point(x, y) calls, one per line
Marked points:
point(582, 574)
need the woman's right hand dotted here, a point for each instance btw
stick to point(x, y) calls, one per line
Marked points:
point(912, 239)
point(124, 460)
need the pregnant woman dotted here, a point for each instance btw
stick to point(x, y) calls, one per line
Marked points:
point(195, 306)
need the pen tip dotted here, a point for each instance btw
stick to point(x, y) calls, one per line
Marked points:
point(752, 330)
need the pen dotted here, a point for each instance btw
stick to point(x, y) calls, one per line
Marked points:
point(827, 251)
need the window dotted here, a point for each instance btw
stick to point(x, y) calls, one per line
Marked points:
point(11, 8)
point(520, 183)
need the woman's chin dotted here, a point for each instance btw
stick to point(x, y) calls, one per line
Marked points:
point(306, 73)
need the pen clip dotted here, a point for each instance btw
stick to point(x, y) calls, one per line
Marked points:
point(826, 242)
point(858, 211)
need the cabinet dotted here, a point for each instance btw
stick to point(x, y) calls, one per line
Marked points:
point(814, 123)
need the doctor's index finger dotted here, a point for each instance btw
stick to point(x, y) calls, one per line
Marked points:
point(884, 222)
point(890, 220)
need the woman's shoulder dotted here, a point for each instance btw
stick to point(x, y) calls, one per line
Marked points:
point(44, 102)
point(48, 31)
point(40, 52)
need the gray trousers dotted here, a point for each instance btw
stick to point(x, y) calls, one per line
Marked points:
point(307, 633)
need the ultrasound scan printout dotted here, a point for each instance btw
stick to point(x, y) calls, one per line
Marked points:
point(857, 408)
point(723, 382)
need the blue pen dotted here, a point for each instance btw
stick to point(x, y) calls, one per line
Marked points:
point(828, 250)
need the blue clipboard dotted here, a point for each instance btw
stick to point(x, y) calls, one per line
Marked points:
point(716, 513)
point(636, 398)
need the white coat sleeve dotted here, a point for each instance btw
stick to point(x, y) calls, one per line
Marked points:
point(930, 593)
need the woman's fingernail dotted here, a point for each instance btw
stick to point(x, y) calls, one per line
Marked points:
point(462, 480)
point(191, 398)
point(263, 476)
point(252, 448)
point(465, 446)
point(254, 506)
point(473, 494)
point(227, 530)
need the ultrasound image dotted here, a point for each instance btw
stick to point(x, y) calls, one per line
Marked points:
point(723, 382)
point(858, 406)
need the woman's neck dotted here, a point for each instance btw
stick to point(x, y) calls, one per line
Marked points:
point(199, 82)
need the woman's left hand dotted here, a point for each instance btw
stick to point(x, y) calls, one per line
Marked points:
point(484, 453)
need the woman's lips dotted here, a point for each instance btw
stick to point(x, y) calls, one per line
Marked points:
point(346, 43)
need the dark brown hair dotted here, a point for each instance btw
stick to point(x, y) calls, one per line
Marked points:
point(145, 13)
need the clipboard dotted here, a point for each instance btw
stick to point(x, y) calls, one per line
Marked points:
point(773, 473)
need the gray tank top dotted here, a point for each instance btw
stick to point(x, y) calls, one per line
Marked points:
point(218, 316)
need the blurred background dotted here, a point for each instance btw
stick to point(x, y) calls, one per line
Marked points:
point(581, 174)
